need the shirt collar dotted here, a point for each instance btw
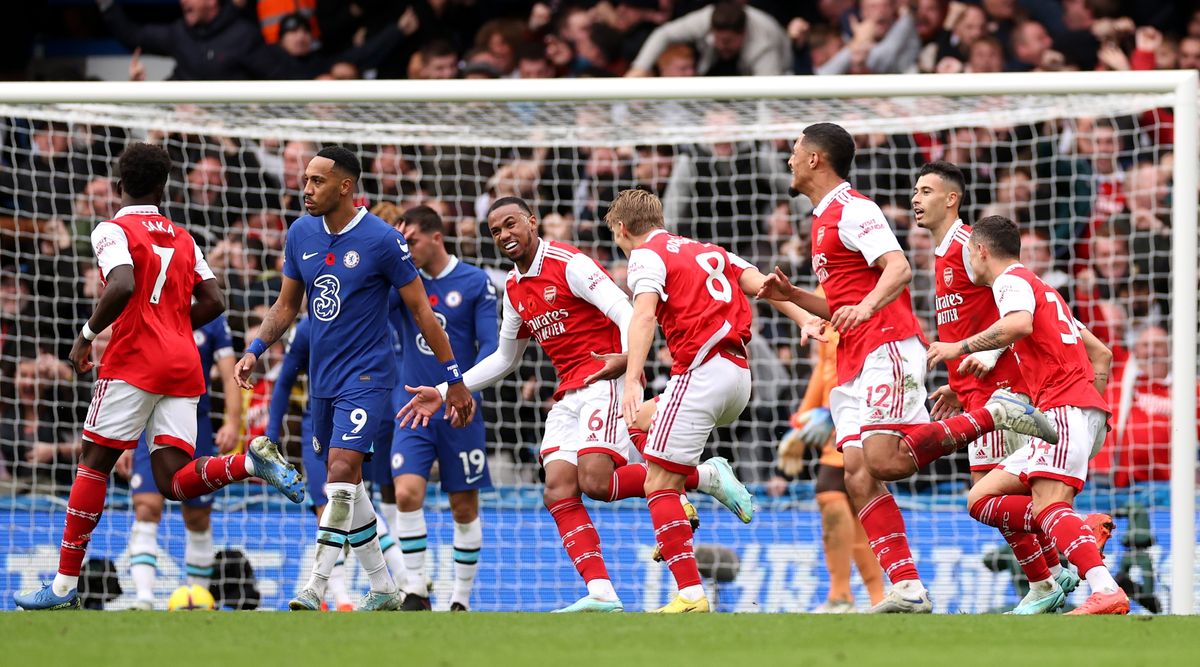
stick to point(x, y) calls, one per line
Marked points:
point(945, 244)
point(1012, 267)
point(653, 234)
point(445, 272)
point(362, 212)
point(136, 210)
point(535, 268)
point(828, 198)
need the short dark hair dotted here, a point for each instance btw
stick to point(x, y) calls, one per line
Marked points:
point(729, 15)
point(530, 51)
point(343, 159)
point(505, 201)
point(1001, 235)
point(425, 219)
point(947, 171)
point(144, 169)
point(835, 142)
point(438, 48)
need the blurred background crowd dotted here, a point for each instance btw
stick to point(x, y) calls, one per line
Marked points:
point(1093, 193)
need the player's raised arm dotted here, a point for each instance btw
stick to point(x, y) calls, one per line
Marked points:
point(278, 320)
point(752, 282)
point(777, 287)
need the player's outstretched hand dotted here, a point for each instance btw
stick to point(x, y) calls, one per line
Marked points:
point(945, 404)
point(971, 365)
point(244, 369)
point(848, 317)
point(814, 329)
point(776, 286)
point(424, 403)
point(460, 405)
point(226, 438)
point(81, 355)
point(939, 352)
point(614, 367)
point(631, 402)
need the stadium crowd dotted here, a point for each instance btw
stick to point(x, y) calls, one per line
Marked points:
point(1093, 193)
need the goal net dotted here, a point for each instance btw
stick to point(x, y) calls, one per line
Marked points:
point(1089, 176)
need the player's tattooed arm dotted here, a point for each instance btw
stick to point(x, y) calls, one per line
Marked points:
point(113, 300)
point(1100, 356)
point(1006, 331)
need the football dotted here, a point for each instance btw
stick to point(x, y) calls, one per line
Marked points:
point(191, 598)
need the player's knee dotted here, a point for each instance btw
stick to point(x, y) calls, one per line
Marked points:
point(146, 509)
point(889, 465)
point(464, 512)
point(196, 519)
point(595, 484)
point(341, 471)
point(558, 491)
point(407, 498)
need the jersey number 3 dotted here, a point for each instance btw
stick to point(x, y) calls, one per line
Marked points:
point(1072, 335)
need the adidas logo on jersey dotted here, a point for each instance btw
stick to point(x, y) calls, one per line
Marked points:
point(591, 438)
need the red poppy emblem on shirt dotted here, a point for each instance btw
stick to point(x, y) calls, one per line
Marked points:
point(433, 300)
point(330, 259)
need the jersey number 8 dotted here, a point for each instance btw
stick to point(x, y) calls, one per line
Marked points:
point(718, 285)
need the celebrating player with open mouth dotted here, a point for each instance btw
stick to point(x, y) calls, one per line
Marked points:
point(158, 288)
point(563, 299)
point(347, 261)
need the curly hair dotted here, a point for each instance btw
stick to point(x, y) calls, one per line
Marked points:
point(144, 169)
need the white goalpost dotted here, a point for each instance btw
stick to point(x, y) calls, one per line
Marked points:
point(714, 148)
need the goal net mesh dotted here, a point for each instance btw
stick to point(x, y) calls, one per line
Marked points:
point(1089, 177)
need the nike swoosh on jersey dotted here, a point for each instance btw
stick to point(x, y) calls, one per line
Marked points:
point(346, 437)
point(472, 480)
point(309, 255)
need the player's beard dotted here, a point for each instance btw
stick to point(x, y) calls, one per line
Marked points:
point(793, 192)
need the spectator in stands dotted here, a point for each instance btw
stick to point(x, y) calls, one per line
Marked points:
point(209, 43)
point(985, 55)
point(1029, 44)
point(676, 60)
point(883, 40)
point(1138, 448)
point(532, 62)
point(98, 201)
point(45, 181)
point(824, 42)
point(969, 26)
point(384, 178)
point(295, 55)
point(635, 20)
point(1189, 52)
point(599, 49)
point(438, 59)
point(273, 13)
point(501, 39)
point(1013, 196)
point(729, 38)
point(932, 17)
point(1037, 257)
point(296, 156)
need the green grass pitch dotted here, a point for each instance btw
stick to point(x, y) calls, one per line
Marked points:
point(97, 639)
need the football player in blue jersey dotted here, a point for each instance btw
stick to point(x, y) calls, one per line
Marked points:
point(216, 346)
point(465, 302)
point(345, 261)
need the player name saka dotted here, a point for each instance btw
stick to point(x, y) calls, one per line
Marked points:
point(548, 324)
point(947, 307)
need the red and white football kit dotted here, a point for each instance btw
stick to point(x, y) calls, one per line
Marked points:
point(566, 302)
point(881, 362)
point(1056, 368)
point(705, 319)
point(150, 376)
point(963, 310)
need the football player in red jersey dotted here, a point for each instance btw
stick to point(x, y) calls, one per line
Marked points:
point(158, 288)
point(696, 292)
point(1067, 368)
point(879, 406)
point(565, 301)
point(964, 308)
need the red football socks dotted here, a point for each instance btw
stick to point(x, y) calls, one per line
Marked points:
point(579, 538)
point(1071, 536)
point(629, 481)
point(208, 474)
point(674, 535)
point(1013, 517)
point(884, 525)
point(930, 442)
point(84, 507)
